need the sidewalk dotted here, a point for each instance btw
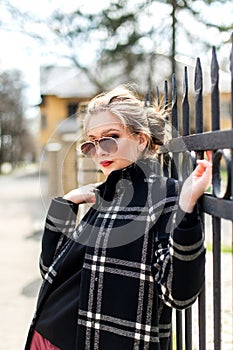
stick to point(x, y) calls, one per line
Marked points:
point(22, 214)
point(23, 209)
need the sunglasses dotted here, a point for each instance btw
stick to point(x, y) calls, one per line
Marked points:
point(107, 144)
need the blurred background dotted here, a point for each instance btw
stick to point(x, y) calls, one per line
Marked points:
point(55, 56)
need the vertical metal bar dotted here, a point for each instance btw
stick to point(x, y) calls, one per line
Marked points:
point(188, 329)
point(186, 131)
point(159, 168)
point(160, 156)
point(151, 98)
point(185, 105)
point(198, 84)
point(165, 94)
point(157, 96)
point(166, 99)
point(216, 222)
point(174, 174)
point(202, 319)
point(175, 164)
point(232, 268)
point(179, 333)
point(166, 164)
point(175, 125)
point(217, 281)
point(215, 108)
point(166, 157)
point(231, 68)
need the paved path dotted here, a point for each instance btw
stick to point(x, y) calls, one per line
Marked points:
point(22, 212)
point(21, 217)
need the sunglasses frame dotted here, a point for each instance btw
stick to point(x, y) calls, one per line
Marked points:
point(94, 143)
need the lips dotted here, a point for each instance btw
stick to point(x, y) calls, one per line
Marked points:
point(106, 163)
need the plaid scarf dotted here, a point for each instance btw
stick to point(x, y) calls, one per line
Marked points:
point(143, 256)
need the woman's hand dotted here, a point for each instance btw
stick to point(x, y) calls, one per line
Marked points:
point(196, 184)
point(84, 194)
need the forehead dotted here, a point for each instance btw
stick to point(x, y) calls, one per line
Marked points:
point(101, 121)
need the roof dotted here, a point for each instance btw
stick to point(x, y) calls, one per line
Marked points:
point(65, 82)
point(68, 82)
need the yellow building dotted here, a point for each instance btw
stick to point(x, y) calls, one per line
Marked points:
point(63, 90)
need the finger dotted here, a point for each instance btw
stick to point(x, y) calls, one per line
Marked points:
point(91, 199)
point(202, 166)
point(204, 163)
point(207, 174)
point(89, 196)
point(209, 156)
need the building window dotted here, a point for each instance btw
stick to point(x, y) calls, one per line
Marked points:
point(72, 109)
point(43, 121)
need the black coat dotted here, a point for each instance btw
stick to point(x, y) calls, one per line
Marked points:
point(110, 282)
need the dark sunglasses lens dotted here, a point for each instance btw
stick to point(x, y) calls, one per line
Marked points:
point(88, 148)
point(109, 145)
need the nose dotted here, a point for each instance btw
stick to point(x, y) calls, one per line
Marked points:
point(99, 150)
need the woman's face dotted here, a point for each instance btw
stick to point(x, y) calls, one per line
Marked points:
point(130, 147)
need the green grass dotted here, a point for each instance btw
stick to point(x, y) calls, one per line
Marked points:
point(224, 249)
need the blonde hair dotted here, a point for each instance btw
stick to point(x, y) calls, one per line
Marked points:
point(134, 115)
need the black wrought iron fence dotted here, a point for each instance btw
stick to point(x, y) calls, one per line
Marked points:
point(177, 158)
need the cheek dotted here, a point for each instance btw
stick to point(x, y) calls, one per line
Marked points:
point(128, 150)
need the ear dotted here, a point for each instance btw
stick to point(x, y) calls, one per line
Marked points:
point(142, 141)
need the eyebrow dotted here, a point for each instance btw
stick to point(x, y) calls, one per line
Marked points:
point(105, 132)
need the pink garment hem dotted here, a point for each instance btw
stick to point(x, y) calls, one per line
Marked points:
point(40, 343)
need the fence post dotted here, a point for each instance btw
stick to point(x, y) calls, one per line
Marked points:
point(216, 222)
point(198, 85)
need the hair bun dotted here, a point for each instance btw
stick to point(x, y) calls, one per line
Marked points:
point(157, 125)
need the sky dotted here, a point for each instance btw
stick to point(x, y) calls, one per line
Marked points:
point(24, 53)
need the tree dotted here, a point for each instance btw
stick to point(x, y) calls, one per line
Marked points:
point(13, 131)
point(117, 38)
point(132, 35)
point(123, 39)
point(191, 9)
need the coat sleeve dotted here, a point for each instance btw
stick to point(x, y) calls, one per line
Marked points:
point(59, 226)
point(179, 265)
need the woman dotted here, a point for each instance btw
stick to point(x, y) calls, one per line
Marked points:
point(110, 282)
